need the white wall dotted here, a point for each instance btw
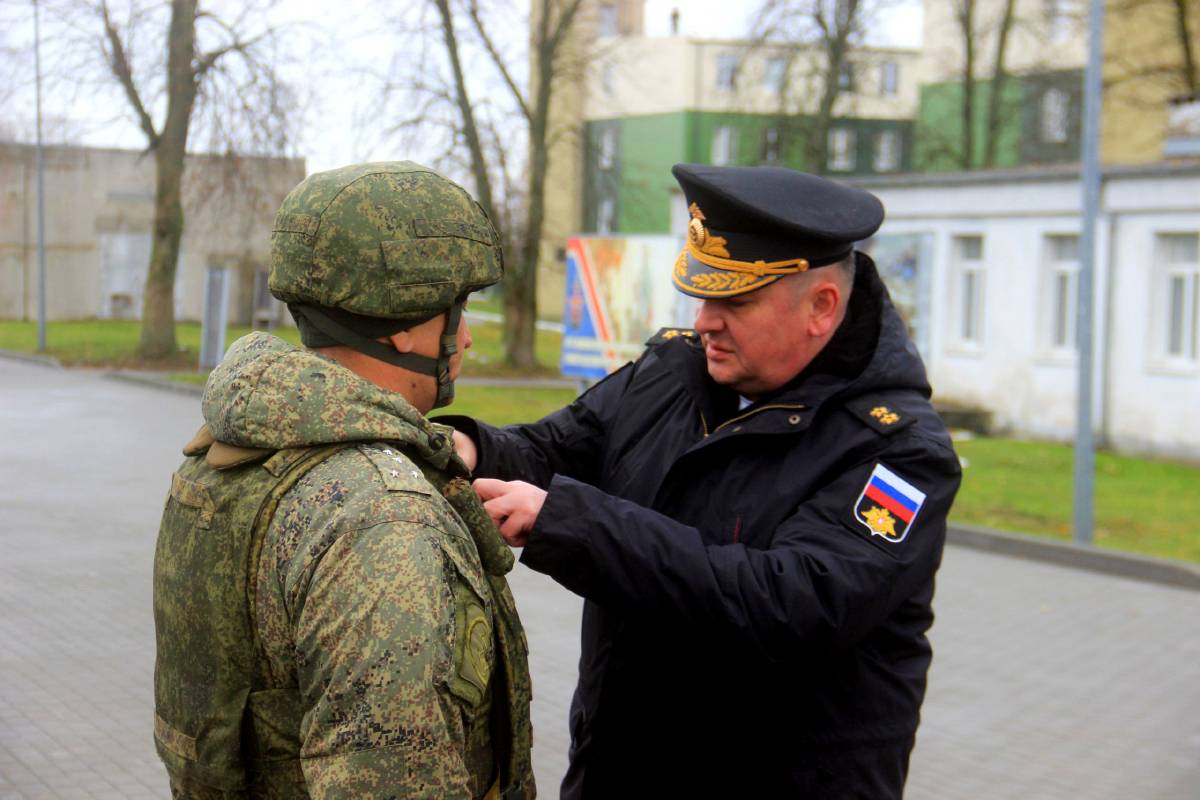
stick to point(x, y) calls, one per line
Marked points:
point(1143, 402)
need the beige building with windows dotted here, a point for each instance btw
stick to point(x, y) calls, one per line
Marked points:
point(99, 209)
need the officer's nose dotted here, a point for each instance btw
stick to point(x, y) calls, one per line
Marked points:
point(708, 317)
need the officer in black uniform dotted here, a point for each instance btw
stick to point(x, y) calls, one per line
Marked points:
point(753, 510)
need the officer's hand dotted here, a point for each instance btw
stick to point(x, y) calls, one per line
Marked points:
point(512, 505)
point(465, 447)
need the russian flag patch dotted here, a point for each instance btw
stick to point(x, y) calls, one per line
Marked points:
point(888, 504)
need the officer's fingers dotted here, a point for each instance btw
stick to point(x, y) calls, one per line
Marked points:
point(515, 529)
point(465, 447)
point(499, 508)
point(487, 488)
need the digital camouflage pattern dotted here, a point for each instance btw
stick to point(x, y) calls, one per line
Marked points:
point(388, 645)
point(388, 239)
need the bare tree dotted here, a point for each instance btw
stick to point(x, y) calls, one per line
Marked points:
point(214, 68)
point(497, 129)
point(1164, 50)
point(977, 35)
point(818, 38)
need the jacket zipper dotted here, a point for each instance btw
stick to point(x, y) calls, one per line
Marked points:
point(740, 417)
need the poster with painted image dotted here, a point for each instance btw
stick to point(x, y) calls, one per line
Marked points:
point(904, 261)
point(618, 294)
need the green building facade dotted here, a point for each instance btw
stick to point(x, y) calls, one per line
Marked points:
point(627, 175)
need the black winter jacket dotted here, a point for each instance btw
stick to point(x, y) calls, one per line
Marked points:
point(746, 633)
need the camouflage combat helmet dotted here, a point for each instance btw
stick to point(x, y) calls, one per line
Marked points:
point(368, 250)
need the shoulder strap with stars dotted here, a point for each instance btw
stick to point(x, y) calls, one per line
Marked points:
point(875, 411)
point(667, 334)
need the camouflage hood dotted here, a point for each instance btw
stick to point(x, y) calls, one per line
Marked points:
point(269, 394)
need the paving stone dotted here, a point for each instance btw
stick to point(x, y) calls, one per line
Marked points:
point(1047, 682)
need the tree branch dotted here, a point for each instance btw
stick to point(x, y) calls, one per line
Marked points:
point(473, 12)
point(118, 62)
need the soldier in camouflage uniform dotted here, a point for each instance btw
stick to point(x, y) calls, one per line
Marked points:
point(331, 610)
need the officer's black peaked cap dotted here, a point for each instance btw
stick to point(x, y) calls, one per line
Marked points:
point(794, 213)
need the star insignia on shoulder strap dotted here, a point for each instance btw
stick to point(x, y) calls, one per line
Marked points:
point(667, 334)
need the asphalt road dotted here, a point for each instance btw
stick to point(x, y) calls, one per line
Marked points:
point(1048, 682)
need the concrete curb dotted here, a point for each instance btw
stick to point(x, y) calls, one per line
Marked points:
point(32, 358)
point(156, 382)
point(1167, 572)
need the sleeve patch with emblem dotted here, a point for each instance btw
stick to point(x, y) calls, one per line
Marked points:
point(888, 505)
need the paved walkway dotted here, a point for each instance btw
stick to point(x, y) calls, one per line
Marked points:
point(1048, 682)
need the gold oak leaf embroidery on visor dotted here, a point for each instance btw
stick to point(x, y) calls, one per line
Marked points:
point(723, 281)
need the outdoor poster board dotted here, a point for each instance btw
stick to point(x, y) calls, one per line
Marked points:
point(618, 294)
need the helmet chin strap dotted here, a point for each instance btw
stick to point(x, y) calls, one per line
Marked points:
point(438, 367)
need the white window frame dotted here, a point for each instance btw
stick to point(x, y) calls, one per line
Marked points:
point(607, 154)
point(1058, 317)
point(886, 157)
point(1054, 114)
point(968, 293)
point(889, 79)
point(724, 145)
point(727, 70)
point(1176, 314)
point(608, 78)
point(605, 212)
point(774, 71)
point(846, 76)
point(771, 146)
point(608, 19)
point(842, 146)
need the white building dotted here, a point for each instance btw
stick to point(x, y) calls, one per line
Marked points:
point(998, 283)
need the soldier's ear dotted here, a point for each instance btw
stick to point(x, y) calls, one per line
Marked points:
point(401, 340)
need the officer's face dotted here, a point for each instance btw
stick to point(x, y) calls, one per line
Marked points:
point(757, 342)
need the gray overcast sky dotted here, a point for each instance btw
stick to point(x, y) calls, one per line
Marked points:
point(347, 40)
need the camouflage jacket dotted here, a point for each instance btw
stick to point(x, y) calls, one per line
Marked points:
point(379, 595)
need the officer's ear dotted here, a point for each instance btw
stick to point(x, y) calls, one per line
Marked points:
point(824, 304)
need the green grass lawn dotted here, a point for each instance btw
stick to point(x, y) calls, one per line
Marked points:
point(1142, 506)
point(113, 343)
point(504, 405)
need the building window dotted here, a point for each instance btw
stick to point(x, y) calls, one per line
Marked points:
point(846, 77)
point(608, 148)
point(1055, 107)
point(727, 66)
point(724, 145)
point(969, 288)
point(1062, 285)
point(770, 149)
point(841, 144)
point(889, 76)
point(608, 19)
point(773, 74)
point(608, 78)
point(887, 151)
point(1179, 256)
point(1060, 17)
point(604, 215)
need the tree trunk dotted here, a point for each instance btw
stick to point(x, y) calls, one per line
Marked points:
point(1191, 76)
point(966, 20)
point(520, 292)
point(999, 77)
point(158, 304)
point(836, 45)
point(483, 184)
